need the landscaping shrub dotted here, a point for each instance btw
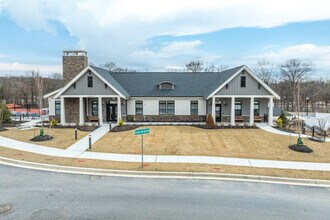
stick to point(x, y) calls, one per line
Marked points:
point(6, 115)
point(120, 123)
point(53, 122)
point(210, 121)
point(279, 122)
point(285, 120)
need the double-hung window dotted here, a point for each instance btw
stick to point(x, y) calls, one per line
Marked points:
point(57, 107)
point(193, 107)
point(162, 107)
point(139, 107)
point(170, 108)
point(256, 108)
point(95, 108)
point(238, 108)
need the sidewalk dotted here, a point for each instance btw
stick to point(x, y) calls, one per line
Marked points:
point(10, 143)
point(276, 131)
point(83, 144)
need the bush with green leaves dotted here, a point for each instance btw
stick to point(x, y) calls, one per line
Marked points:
point(120, 123)
point(285, 120)
point(279, 122)
point(6, 115)
point(53, 122)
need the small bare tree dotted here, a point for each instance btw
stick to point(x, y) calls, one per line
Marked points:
point(293, 72)
point(265, 70)
point(40, 93)
point(322, 122)
point(195, 66)
point(222, 68)
point(113, 67)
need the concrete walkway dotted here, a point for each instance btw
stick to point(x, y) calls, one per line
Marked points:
point(28, 125)
point(83, 144)
point(33, 148)
point(270, 129)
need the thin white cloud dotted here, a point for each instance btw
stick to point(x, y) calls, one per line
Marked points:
point(4, 55)
point(171, 49)
point(117, 29)
point(122, 25)
point(317, 55)
point(21, 68)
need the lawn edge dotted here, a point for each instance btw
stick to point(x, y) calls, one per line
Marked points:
point(163, 174)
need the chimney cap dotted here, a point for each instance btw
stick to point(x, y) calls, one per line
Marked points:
point(74, 53)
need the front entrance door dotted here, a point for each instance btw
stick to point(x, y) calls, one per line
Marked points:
point(218, 112)
point(111, 112)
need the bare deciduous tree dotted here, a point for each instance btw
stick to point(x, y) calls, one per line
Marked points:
point(2, 89)
point(265, 70)
point(198, 65)
point(40, 93)
point(195, 66)
point(322, 122)
point(113, 67)
point(294, 71)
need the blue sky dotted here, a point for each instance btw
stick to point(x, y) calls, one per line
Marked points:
point(162, 35)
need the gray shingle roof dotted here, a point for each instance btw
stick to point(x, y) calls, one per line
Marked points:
point(187, 84)
point(108, 77)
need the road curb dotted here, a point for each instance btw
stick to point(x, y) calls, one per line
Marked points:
point(165, 175)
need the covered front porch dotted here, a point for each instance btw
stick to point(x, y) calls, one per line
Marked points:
point(241, 109)
point(91, 109)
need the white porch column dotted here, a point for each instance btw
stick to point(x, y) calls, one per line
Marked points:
point(81, 111)
point(270, 111)
point(62, 111)
point(118, 109)
point(100, 111)
point(251, 111)
point(232, 111)
point(213, 109)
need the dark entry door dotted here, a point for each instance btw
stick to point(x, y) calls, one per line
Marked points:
point(111, 112)
point(218, 112)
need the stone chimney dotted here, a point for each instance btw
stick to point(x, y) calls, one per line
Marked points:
point(74, 61)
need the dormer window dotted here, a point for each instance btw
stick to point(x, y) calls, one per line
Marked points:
point(166, 85)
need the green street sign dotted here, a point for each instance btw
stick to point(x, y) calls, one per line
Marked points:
point(142, 131)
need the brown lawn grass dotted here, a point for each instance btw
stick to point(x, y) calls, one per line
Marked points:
point(21, 155)
point(63, 137)
point(188, 140)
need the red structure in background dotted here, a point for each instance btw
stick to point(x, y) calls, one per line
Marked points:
point(18, 109)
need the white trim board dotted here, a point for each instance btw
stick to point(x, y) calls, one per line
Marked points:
point(52, 93)
point(253, 75)
point(80, 75)
point(243, 96)
point(90, 96)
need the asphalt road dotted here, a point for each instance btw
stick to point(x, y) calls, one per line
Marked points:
point(45, 195)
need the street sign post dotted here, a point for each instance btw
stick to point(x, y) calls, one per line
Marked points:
point(142, 132)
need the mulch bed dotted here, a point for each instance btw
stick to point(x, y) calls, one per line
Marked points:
point(80, 128)
point(41, 138)
point(133, 127)
point(12, 124)
point(300, 148)
point(225, 127)
point(125, 128)
point(285, 129)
